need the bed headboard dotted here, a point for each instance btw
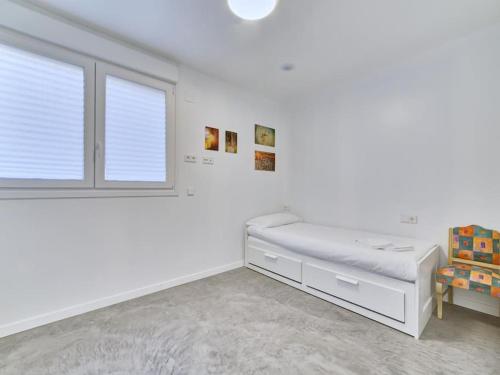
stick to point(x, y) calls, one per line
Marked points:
point(474, 245)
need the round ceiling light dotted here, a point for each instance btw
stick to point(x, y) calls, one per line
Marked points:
point(252, 10)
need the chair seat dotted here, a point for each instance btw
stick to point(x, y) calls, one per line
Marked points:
point(464, 276)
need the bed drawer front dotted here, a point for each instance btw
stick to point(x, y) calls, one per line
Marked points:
point(285, 266)
point(373, 296)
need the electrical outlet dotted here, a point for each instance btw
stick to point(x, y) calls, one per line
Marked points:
point(408, 219)
point(209, 161)
point(190, 158)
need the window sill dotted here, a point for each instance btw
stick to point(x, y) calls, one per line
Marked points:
point(11, 194)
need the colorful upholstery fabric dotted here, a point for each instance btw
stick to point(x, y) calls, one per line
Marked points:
point(477, 244)
point(468, 277)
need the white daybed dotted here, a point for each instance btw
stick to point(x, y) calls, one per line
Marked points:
point(391, 287)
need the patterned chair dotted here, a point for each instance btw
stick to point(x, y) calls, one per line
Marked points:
point(473, 264)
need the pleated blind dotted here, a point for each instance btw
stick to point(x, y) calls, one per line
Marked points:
point(135, 132)
point(41, 117)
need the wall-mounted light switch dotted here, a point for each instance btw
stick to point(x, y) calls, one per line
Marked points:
point(209, 161)
point(190, 158)
point(408, 219)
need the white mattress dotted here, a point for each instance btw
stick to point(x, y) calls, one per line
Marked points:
point(340, 246)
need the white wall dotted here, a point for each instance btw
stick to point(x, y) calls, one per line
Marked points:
point(60, 254)
point(398, 142)
point(419, 138)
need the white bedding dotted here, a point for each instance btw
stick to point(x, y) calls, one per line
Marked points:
point(342, 246)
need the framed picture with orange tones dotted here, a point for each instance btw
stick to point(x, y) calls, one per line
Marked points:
point(211, 138)
point(265, 161)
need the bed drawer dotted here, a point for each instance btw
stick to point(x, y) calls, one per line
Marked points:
point(382, 299)
point(279, 264)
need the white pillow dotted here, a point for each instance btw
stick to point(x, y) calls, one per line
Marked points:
point(274, 220)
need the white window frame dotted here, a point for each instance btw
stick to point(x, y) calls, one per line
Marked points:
point(88, 187)
point(43, 49)
point(103, 70)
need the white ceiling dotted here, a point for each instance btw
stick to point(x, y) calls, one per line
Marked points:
point(326, 40)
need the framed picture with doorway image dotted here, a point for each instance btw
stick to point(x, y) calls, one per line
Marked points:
point(231, 142)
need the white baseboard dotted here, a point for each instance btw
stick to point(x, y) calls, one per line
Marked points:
point(475, 301)
point(481, 307)
point(67, 312)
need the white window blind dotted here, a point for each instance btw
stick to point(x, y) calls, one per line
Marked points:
point(68, 121)
point(135, 132)
point(41, 117)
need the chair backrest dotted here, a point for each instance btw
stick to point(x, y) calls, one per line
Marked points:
point(474, 245)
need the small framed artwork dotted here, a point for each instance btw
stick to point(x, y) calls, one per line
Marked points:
point(264, 136)
point(211, 138)
point(265, 161)
point(231, 142)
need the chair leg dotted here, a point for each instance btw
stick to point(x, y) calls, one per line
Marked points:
point(439, 300)
point(450, 295)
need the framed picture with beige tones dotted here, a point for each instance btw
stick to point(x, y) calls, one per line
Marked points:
point(265, 136)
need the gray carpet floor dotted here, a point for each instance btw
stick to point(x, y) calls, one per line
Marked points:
point(241, 322)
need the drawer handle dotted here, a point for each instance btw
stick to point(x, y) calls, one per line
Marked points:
point(347, 280)
point(270, 256)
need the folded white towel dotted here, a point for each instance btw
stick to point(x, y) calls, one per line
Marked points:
point(401, 247)
point(383, 244)
point(376, 243)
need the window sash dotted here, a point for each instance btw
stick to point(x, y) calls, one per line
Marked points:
point(93, 183)
point(48, 50)
point(102, 70)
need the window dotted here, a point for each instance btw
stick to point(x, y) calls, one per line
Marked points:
point(49, 99)
point(135, 141)
point(45, 120)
